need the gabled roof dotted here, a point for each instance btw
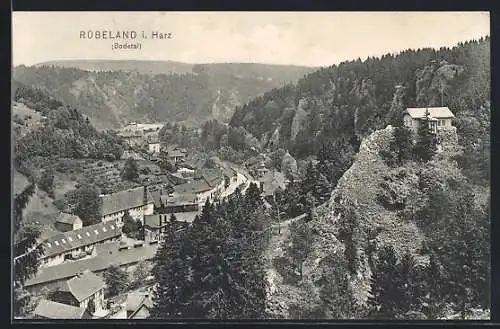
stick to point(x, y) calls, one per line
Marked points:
point(135, 301)
point(434, 112)
point(105, 257)
point(193, 187)
point(123, 200)
point(67, 218)
point(156, 220)
point(52, 310)
point(84, 285)
point(84, 236)
point(160, 220)
point(178, 199)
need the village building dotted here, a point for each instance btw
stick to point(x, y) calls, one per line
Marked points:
point(132, 305)
point(209, 185)
point(177, 203)
point(68, 222)
point(80, 291)
point(138, 305)
point(47, 309)
point(438, 117)
point(77, 243)
point(137, 202)
point(176, 154)
point(153, 144)
point(155, 225)
point(106, 255)
point(132, 138)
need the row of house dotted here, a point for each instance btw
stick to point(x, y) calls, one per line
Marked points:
point(125, 255)
point(81, 297)
point(78, 243)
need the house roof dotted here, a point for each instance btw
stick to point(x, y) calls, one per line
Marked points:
point(434, 112)
point(136, 300)
point(156, 220)
point(187, 216)
point(193, 187)
point(67, 218)
point(123, 200)
point(153, 221)
point(52, 310)
point(178, 199)
point(212, 176)
point(111, 255)
point(84, 236)
point(84, 285)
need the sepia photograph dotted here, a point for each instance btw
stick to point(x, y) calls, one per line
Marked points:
point(250, 166)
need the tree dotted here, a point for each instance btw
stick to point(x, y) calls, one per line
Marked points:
point(88, 204)
point(131, 170)
point(129, 224)
point(46, 182)
point(173, 218)
point(91, 307)
point(173, 272)
point(385, 290)
point(426, 145)
point(301, 239)
point(335, 292)
point(252, 196)
point(116, 280)
point(26, 252)
point(140, 274)
point(400, 148)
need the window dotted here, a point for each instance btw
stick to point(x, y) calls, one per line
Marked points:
point(79, 236)
point(49, 245)
point(112, 227)
point(57, 243)
point(104, 229)
point(96, 233)
point(63, 241)
point(70, 239)
point(88, 234)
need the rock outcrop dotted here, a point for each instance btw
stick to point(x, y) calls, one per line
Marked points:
point(377, 193)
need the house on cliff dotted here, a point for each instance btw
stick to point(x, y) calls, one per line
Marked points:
point(438, 117)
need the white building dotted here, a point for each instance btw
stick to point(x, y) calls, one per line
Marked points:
point(136, 201)
point(77, 243)
point(438, 117)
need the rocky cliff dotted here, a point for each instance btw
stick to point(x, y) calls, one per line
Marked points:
point(375, 194)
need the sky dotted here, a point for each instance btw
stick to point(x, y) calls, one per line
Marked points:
point(288, 38)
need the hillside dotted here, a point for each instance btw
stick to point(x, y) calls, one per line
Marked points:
point(397, 222)
point(144, 67)
point(355, 98)
point(158, 91)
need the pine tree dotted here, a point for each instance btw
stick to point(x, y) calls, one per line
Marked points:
point(335, 292)
point(385, 290)
point(425, 147)
point(173, 273)
point(26, 251)
point(301, 244)
point(116, 280)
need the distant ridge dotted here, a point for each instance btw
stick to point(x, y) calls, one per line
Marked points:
point(141, 66)
point(169, 67)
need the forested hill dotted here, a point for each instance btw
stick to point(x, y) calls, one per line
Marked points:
point(358, 97)
point(112, 93)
